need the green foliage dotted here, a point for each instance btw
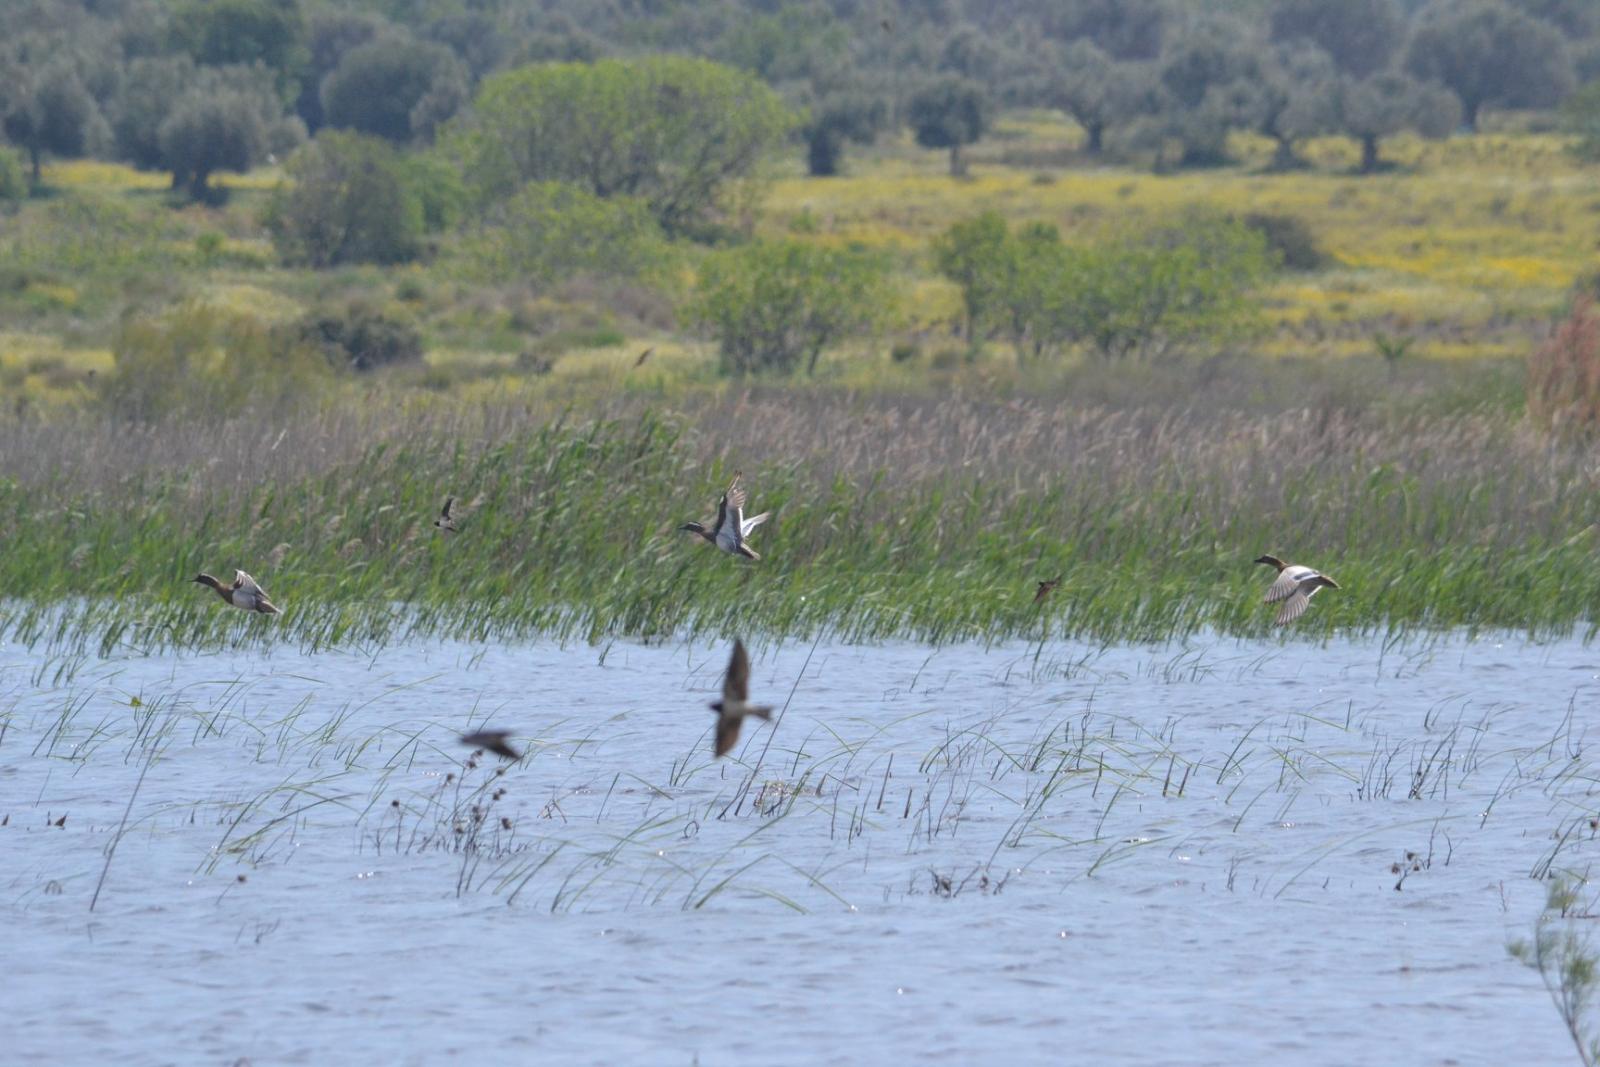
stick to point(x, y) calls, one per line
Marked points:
point(394, 87)
point(1098, 92)
point(950, 113)
point(1288, 239)
point(227, 119)
point(149, 87)
point(1145, 294)
point(1563, 952)
point(226, 32)
point(361, 337)
point(348, 200)
point(196, 361)
point(1580, 118)
point(975, 254)
point(1361, 36)
point(13, 177)
point(553, 230)
point(841, 117)
point(684, 135)
point(1371, 109)
point(1490, 55)
point(772, 304)
point(44, 107)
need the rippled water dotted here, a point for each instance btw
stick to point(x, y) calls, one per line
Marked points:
point(1186, 854)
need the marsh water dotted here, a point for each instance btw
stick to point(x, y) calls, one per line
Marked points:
point(1207, 852)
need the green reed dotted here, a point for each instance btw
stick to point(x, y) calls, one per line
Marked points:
point(880, 530)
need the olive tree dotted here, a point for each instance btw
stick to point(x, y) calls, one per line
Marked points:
point(44, 107)
point(1490, 55)
point(1099, 92)
point(687, 136)
point(348, 200)
point(227, 119)
point(1371, 109)
point(1361, 36)
point(950, 113)
point(772, 305)
point(394, 87)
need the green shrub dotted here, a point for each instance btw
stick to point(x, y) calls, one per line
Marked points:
point(553, 230)
point(1289, 239)
point(200, 361)
point(13, 176)
point(772, 304)
point(361, 337)
point(349, 200)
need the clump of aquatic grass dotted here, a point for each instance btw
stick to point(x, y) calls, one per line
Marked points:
point(1564, 374)
point(1562, 951)
point(894, 516)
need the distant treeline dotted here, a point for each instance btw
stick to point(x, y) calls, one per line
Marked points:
point(192, 87)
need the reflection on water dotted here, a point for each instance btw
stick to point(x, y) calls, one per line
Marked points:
point(1203, 853)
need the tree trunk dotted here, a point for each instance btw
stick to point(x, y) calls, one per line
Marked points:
point(1096, 134)
point(1469, 113)
point(197, 184)
point(1283, 157)
point(1369, 153)
point(958, 166)
point(33, 155)
point(822, 153)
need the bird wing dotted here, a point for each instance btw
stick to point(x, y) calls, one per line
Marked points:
point(727, 732)
point(750, 524)
point(642, 357)
point(243, 583)
point(1287, 582)
point(736, 685)
point(444, 513)
point(1294, 607)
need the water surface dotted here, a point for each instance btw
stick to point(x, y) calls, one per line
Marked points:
point(1210, 852)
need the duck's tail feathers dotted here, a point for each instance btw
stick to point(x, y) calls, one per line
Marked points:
point(747, 552)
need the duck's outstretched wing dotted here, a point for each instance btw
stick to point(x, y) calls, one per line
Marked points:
point(243, 583)
point(444, 512)
point(751, 523)
point(1287, 582)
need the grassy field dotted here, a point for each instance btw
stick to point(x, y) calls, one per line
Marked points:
point(1465, 250)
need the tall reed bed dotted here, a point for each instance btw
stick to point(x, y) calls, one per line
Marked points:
point(894, 517)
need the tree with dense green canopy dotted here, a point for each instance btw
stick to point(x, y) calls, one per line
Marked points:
point(551, 231)
point(687, 136)
point(1361, 36)
point(221, 33)
point(1580, 117)
point(394, 87)
point(1099, 92)
point(773, 304)
point(348, 200)
point(226, 119)
point(1490, 55)
point(1370, 109)
point(44, 107)
point(950, 113)
point(837, 118)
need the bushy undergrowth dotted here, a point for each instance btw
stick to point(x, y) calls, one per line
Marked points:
point(1564, 374)
point(893, 518)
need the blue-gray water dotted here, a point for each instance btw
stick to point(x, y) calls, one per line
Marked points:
point(1183, 854)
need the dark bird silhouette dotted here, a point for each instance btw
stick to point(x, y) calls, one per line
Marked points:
point(244, 593)
point(492, 741)
point(642, 357)
point(445, 522)
point(1046, 587)
point(734, 705)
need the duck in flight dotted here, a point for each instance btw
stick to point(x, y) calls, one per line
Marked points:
point(734, 705)
point(731, 528)
point(1046, 587)
point(445, 523)
point(244, 593)
point(1294, 587)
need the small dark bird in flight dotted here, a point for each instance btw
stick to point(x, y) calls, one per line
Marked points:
point(642, 357)
point(734, 706)
point(444, 522)
point(492, 741)
point(1046, 587)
